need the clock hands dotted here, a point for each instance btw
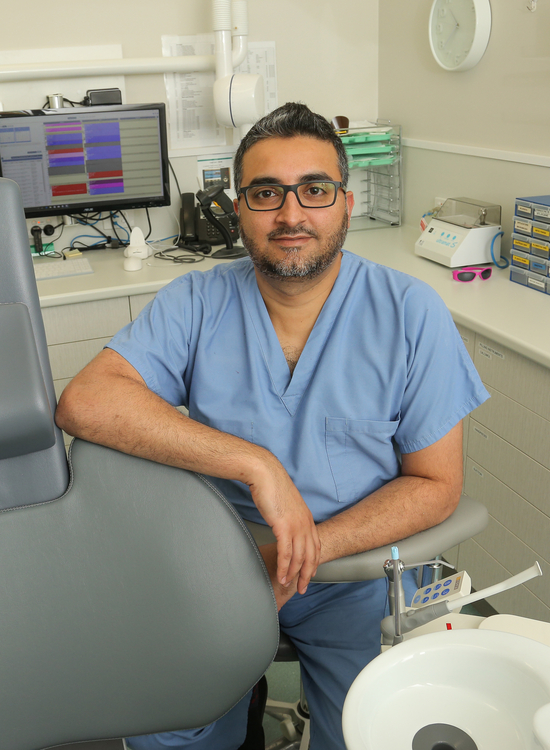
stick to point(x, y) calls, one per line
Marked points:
point(453, 32)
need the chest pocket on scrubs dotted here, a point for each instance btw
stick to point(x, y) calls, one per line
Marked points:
point(360, 453)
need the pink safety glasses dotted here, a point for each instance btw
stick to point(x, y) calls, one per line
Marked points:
point(469, 274)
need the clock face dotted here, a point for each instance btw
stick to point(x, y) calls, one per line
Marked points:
point(459, 32)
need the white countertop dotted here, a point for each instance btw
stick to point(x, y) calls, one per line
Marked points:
point(508, 313)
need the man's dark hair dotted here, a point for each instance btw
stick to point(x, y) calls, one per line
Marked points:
point(292, 119)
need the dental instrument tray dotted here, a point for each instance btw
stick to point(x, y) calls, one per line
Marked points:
point(464, 232)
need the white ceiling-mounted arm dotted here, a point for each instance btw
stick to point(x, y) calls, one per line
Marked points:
point(239, 31)
point(221, 17)
point(229, 22)
point(238, 97)
point(85, 68)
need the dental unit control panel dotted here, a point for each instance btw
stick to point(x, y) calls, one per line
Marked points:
point(463, 232)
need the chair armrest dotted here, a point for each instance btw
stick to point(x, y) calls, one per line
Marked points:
point(469, 519)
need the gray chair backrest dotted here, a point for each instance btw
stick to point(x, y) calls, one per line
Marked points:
point(41, 473)
point(133, 600)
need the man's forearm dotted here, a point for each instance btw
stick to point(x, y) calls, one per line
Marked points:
point(108, 403)
point(426, 494)
point(401, 508)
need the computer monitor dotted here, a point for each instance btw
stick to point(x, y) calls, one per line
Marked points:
point(84, 160)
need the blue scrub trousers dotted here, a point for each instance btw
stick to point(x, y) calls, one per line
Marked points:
point(336, 631)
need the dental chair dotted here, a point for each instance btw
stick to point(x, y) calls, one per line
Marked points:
point(121, 613)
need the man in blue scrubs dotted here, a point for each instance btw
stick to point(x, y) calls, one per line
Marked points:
point(303, 367)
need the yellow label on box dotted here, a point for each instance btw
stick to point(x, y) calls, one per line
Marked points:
point(521, 244)
point(541, 231)
point(523, 261)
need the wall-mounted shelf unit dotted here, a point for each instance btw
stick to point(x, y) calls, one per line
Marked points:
point(374, 155)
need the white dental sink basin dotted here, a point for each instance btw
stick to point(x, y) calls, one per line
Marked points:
point(481, 689)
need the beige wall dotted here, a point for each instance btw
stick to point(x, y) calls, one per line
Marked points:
point(497, 114)
point(502, 103)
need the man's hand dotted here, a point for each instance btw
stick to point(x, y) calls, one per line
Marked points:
point(283, 508)
point(282, 592)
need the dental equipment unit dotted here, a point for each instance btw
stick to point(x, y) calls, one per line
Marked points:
point(467, 683)
point(400, 622)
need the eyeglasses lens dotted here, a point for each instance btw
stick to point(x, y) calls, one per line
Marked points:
point(486, 273)
point(466, 276)
point(310, 195)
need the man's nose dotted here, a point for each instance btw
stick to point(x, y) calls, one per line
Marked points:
point(291, 212)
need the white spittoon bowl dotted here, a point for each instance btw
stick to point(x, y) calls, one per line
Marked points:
point(453, 690)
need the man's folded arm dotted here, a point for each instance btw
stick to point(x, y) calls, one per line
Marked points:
point(110, 404)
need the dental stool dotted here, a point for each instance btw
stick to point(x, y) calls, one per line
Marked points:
point(121, 613)
point(469, 518)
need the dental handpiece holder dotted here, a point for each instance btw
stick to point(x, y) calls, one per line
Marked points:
point(396, 625)
point(464, 232)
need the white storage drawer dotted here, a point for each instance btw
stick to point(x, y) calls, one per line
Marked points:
point(485, 570)
point(525, 521)
point(515, 556)
point(520, 378)
point(68, 359)
point(85, 320)
point(517, 425)
point(138, 302)
point(515, 469)
point(468, 337)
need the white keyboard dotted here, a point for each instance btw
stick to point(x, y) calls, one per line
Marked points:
point(56, 269)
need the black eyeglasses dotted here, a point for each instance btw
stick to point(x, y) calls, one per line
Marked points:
point(309, 194)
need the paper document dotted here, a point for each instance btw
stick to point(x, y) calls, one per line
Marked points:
point(190, 101)
point(192, 118)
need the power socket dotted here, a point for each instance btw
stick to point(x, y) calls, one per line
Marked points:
point(49, 220)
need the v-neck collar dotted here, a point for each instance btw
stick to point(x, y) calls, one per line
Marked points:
point(290, 388)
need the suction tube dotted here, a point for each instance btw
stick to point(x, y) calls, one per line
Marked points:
point(526, 575)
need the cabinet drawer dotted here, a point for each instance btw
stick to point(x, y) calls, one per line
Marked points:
point(515, 469)
point(517, 425)
point(520, 378)
point(468, 337)
point(485, 571)
point(68, 359)
point(85, 320)
point(515, 556)
point(509, 508)
point(138, 302)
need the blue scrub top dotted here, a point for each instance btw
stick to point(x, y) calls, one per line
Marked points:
point(384, 366)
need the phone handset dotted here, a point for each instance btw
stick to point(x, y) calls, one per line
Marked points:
point(187, 220)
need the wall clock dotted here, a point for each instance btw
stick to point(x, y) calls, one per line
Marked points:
point(459, 32)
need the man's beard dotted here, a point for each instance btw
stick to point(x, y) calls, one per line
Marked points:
point(293, 266)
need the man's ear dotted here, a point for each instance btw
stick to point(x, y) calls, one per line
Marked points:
point(350, 200)
point(236, 205)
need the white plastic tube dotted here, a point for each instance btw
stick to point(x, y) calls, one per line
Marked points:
point(509, 583)
point(130, 66)
point(227, 56)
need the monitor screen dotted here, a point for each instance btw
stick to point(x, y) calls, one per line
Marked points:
point(86, 159)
